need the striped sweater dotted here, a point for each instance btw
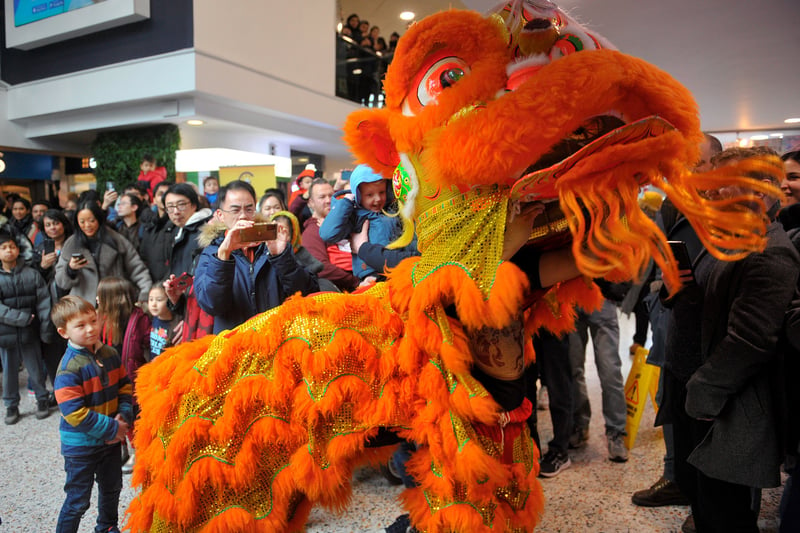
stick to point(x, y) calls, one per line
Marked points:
point(91, 389)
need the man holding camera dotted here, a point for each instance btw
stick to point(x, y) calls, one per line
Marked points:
point(246, 267)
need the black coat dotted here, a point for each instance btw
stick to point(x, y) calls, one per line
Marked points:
point(736, 386)
point(24, 306)
point(163, 254)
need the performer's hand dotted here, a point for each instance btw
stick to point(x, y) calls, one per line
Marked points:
point(519, 223)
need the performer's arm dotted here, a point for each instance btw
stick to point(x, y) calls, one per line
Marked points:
point(542, 268)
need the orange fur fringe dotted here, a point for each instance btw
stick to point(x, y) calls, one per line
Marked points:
point(213, 427)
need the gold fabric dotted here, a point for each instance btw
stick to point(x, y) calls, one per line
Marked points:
point(464, 229)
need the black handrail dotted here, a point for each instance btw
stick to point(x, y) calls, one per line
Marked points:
point(360, 71)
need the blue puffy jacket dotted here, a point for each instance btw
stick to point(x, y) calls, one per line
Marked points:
point(347, 216)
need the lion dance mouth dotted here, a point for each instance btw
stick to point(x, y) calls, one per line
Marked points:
point(247, 430)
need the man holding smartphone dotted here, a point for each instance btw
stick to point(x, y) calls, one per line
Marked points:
point(236, 277)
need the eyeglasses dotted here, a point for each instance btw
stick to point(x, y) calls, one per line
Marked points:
point(180, 206)
point(236, 210)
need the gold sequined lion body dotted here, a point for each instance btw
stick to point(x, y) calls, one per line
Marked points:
point(247, 430)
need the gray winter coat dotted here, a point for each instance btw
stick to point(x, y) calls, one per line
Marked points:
point(737, 386)
point(122, 262)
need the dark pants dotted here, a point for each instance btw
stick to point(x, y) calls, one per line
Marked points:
point(552, 358)
point(790, 502)
point(531, 377)
point(717, 506)
point(52, 352)
point(30, 356)
point(105, 467)
point(642, 322)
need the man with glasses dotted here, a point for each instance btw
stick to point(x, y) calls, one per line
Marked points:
point(174, 251)
point(129, 207)
point(236, 279)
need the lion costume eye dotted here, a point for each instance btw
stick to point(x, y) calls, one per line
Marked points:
point(440, 72)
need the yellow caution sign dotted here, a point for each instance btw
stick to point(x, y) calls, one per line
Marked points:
point(642, 382)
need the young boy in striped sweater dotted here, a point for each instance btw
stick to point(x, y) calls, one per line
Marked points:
point(94, 394)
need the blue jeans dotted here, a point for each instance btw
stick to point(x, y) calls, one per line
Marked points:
point(29, 355)
point(105, 467)
point(604, 328)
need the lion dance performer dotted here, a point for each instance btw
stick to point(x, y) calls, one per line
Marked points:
point(517, 128)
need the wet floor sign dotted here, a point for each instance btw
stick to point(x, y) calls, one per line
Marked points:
point(642, 382)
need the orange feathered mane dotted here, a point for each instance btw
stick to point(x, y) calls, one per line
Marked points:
point(247, 430)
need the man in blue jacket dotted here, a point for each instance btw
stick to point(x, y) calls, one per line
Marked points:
point(236, 279)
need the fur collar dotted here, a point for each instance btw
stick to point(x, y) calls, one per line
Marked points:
point(215, 229)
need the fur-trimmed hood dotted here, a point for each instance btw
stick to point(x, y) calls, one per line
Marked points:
point(215, 229)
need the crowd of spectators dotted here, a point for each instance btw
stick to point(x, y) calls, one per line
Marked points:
point(165, 263)
point(362, 57)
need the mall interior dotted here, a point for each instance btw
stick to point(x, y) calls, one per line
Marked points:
point(269, 84)
point(265, 83)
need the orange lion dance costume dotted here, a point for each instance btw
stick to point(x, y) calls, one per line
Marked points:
point(247, 430)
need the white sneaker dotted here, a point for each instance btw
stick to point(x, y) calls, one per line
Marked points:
point(127, 468)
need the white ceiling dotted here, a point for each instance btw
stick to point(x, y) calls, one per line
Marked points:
point(738, 58)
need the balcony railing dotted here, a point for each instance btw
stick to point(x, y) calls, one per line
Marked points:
point(360, 71)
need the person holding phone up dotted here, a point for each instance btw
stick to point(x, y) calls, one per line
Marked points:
point(94, 252)
point(243, 271)
point(57, 229)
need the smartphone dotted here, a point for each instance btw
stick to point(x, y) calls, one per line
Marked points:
point(259, 233)
point(49, 246)
point(346, 175)
point(183, 281)
point(78, 256)
point(681, 254)
point(110, 186)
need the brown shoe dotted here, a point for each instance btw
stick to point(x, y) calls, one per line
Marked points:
point(688, 525)
point(662, 492)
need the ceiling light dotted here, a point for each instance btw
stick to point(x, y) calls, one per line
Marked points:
point(759, 137)
point(792, 120)
point(195, 122)
point(407, 15)
point(778, 135)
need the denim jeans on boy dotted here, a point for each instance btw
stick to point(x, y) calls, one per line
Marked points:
point(106, 466)
point(30, 356)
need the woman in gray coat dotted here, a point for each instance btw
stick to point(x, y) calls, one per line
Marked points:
point(94, 252)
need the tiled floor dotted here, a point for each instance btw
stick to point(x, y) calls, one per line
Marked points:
point(593, 495)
